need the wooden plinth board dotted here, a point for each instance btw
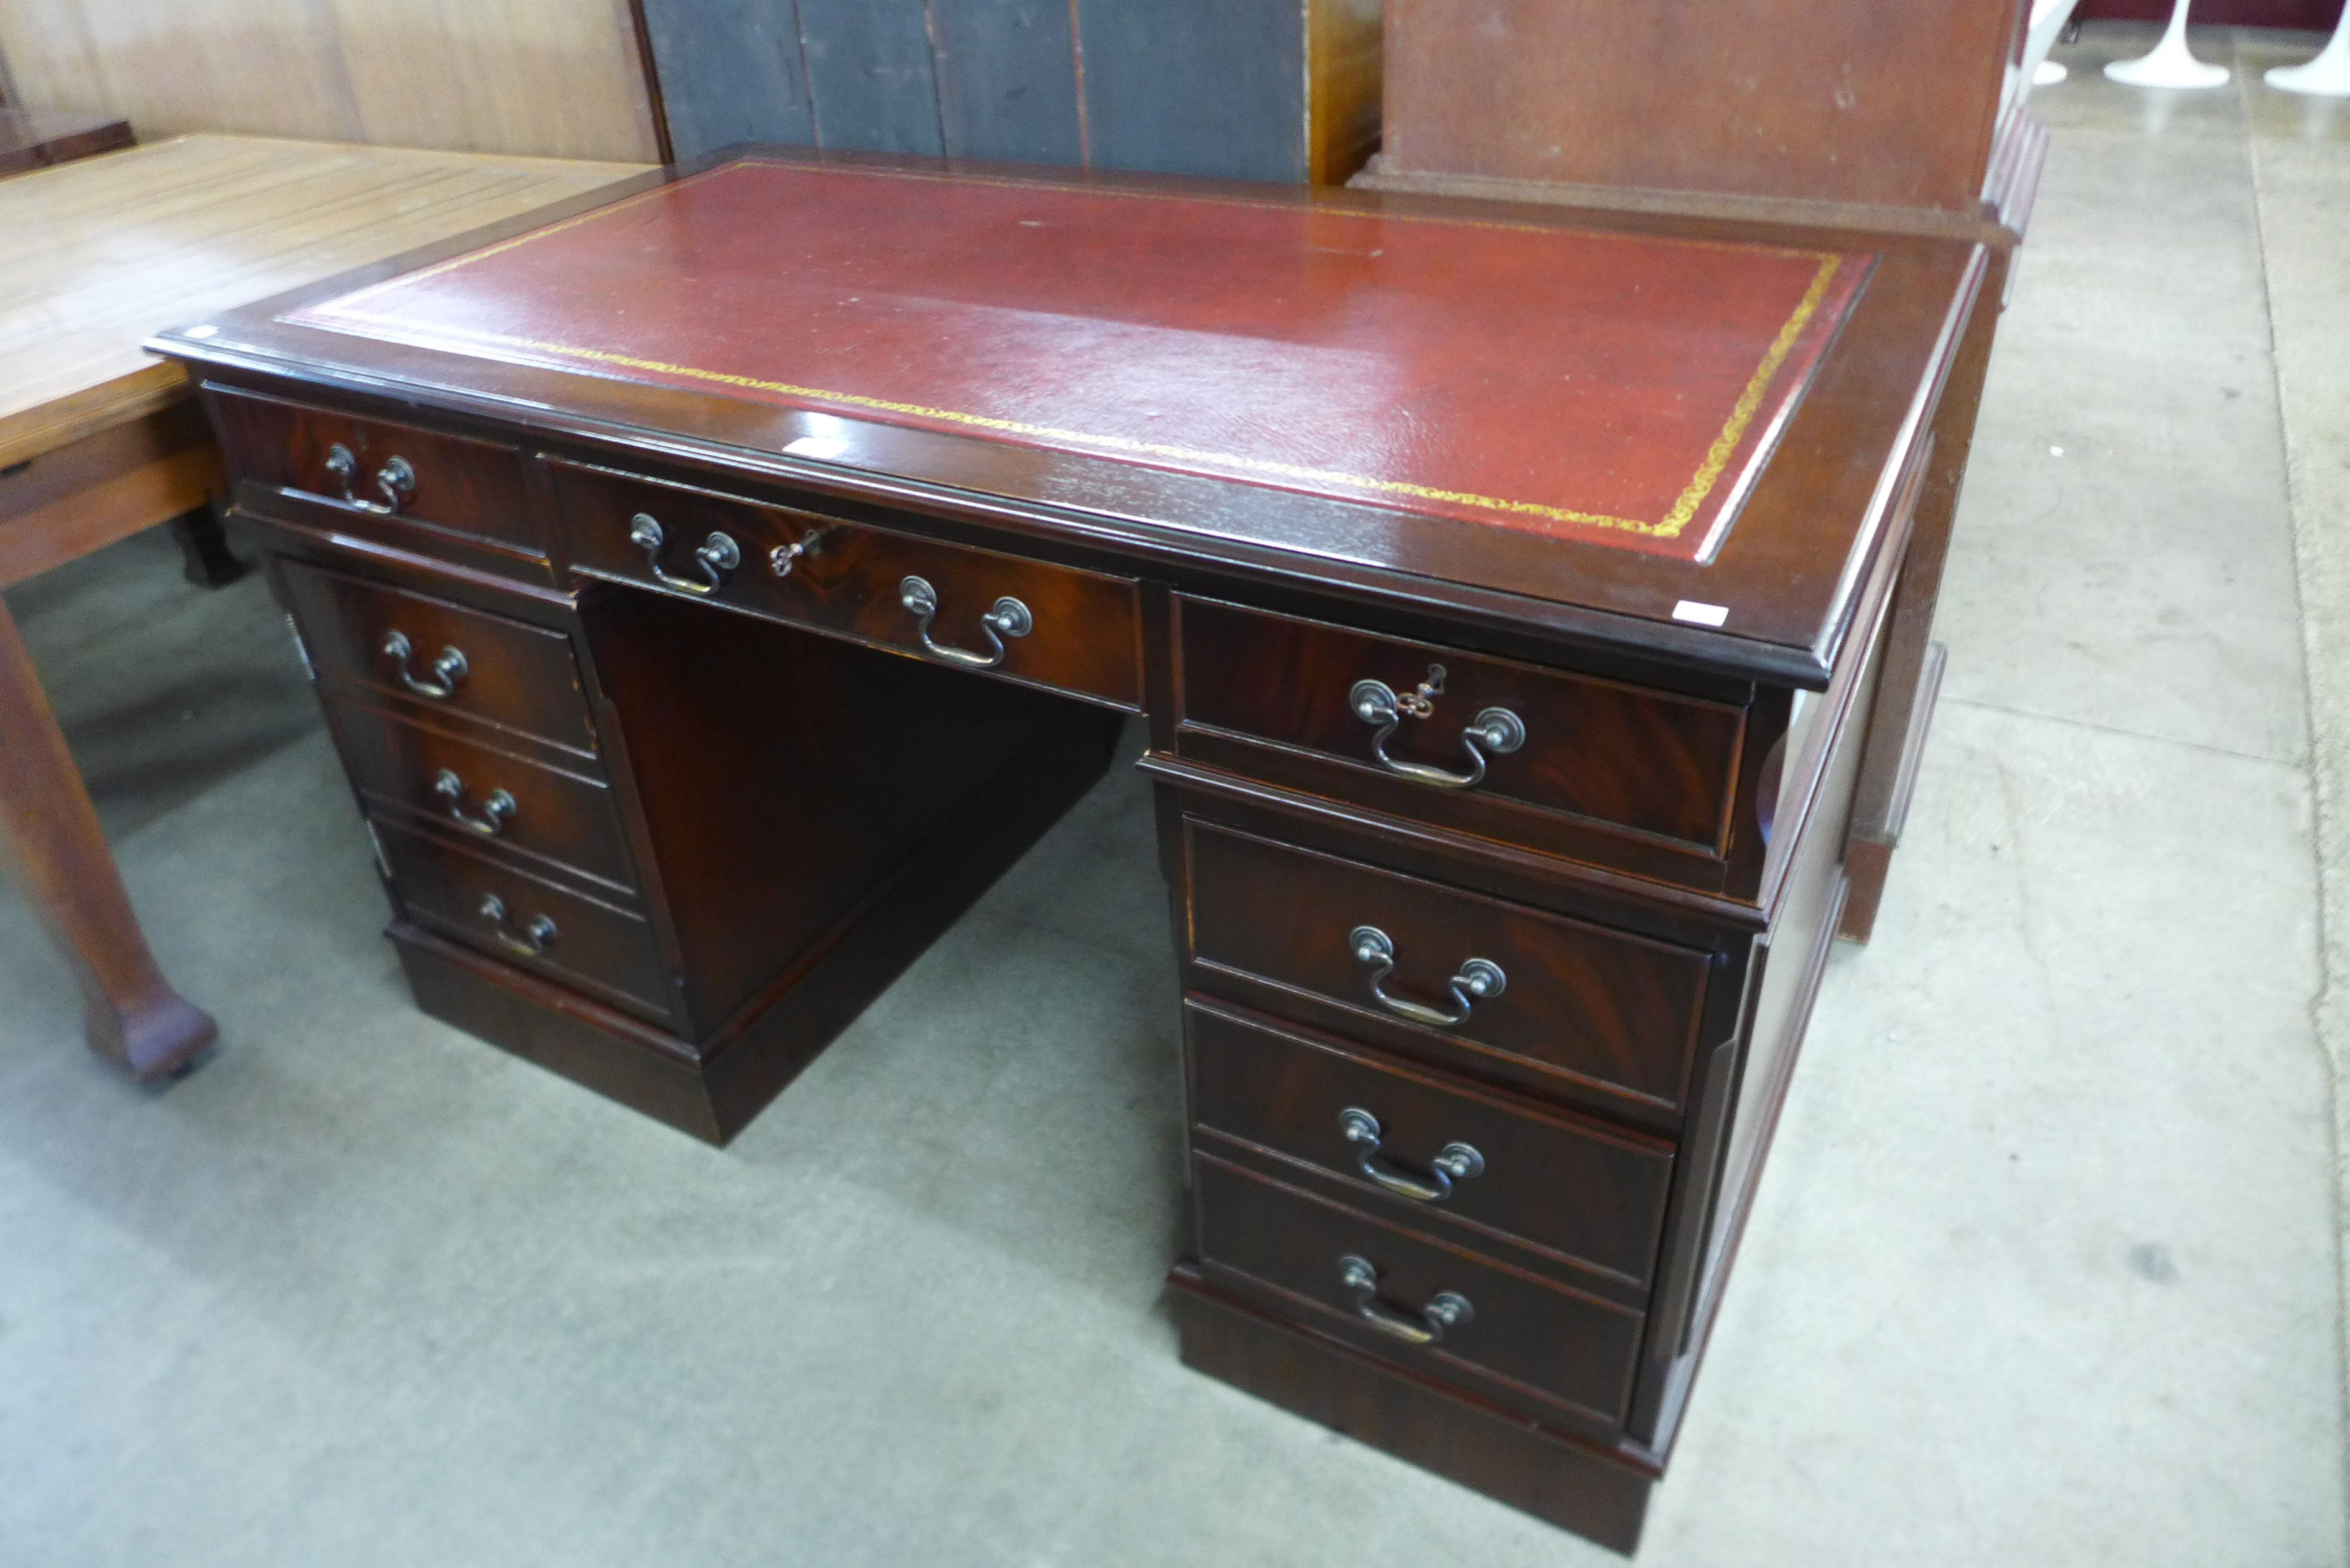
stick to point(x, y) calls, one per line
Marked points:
point(1557, 1479)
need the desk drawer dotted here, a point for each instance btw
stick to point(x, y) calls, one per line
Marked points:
point(517, 805)
point(1082, 630)
point(1445, 1151)
point(510, 915)
point(1553, 748)
point(396, 473)
point(1599, 1007)
point(1376, 1282)
point(505, 672)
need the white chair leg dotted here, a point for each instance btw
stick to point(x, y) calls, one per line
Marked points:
point(2048, 19)
point(2171, 65)
point(2328, 74)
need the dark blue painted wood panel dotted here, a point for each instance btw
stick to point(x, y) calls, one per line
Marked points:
point(869, 67)
point(1007, 79)
point(1196, 87)
point(730, 71)
point(1187, 86)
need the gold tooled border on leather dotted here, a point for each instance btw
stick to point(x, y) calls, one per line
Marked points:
point(332, 314)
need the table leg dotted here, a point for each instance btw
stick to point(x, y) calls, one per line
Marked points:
point(131, 1015)
point(204, 548)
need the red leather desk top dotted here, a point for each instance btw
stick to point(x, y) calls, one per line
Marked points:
point(1616, 388)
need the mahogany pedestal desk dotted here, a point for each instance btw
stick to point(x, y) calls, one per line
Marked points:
point(712, 588)
point(98, 440)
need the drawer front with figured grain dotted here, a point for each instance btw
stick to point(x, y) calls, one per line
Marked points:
point(1414, 1297)
point(519, 806)
point(1444, 1151)
point(1506, 749)
point(1026, 621)
point(1601, 1007)
point(503, 911)
point(377, 472)
point(456, 660)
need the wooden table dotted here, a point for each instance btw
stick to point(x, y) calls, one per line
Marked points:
point(713, 584)
point(98, 440)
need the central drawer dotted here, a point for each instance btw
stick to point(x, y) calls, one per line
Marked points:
point(1022, 619)
point(1602, 1008)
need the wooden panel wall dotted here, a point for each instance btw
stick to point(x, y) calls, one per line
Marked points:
point(1007, 80)
point(1888, 102)
point(556, 78)
point(1345, 58)
point(1268, 90)
point(731, 70)
point(1196, 87)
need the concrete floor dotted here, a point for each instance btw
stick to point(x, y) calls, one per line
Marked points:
point(2044, 1271)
